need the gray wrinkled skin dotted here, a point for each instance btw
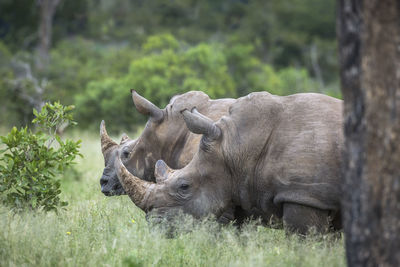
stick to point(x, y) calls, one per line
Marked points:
point(109, 185)
point(271, 156)
point(165, 136)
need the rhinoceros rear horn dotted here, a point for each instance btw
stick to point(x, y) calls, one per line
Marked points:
point(145, 107)
point(106, 141)
point(161, 171)
point(200, 124)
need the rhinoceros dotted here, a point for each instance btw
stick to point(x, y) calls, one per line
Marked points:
point(110, 185)
point(272, 156)
point(165, 136)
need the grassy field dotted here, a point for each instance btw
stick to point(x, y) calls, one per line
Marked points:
point(95, 230)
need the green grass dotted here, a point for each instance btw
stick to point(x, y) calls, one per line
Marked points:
point(95, 230)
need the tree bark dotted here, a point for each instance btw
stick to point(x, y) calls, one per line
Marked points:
point(369, 50)
point(47, 10)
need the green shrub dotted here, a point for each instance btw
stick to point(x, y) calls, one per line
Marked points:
point(160, 42)
point(108, 99)
point(31, 161)
point(285, 81)
point(244, 68)
point(77, 62)
point(162, 71)
point(169, 71)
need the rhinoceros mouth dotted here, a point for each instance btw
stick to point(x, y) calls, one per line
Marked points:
point(108, 193)
point(117, 190)
point(114, 193)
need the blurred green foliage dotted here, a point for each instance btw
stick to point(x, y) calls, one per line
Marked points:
point(102, 49)
point(31, 161)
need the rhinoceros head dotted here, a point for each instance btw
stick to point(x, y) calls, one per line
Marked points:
point(165, 136)
point(110, 185)
point(200, 188)
point(134, 153)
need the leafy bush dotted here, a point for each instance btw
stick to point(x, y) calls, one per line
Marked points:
point(160, 42)
point(31, 161)
point(162, 71)
point(77, 62)
point(107, 99)
point(244, 67)
point(285, 81)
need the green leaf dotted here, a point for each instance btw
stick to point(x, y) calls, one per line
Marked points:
point(34, 202)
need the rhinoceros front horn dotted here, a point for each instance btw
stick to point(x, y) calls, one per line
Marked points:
point(200, 124)
point(145, 107)
point(106, 141)
point(138, 190)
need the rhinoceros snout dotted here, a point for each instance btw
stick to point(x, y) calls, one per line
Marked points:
point(110, 187)
point(104, 186)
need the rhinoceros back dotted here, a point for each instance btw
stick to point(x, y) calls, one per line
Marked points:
point(290, 147)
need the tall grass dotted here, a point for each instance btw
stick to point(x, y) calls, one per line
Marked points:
point(95, 230)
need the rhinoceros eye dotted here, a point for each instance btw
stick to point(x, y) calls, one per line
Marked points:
point(184, 187)
point(125, 154)
point(183, 192)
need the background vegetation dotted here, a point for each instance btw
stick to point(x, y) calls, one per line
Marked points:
point(101, 49)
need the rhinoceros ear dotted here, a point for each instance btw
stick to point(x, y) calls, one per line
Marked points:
point(124, 138)
point(200, 124)
point(162, 171)
point(145, 107)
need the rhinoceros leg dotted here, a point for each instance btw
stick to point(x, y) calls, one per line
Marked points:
point(303, 219)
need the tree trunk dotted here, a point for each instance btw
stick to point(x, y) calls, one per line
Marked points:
point(369, 49)
point(47, 10)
